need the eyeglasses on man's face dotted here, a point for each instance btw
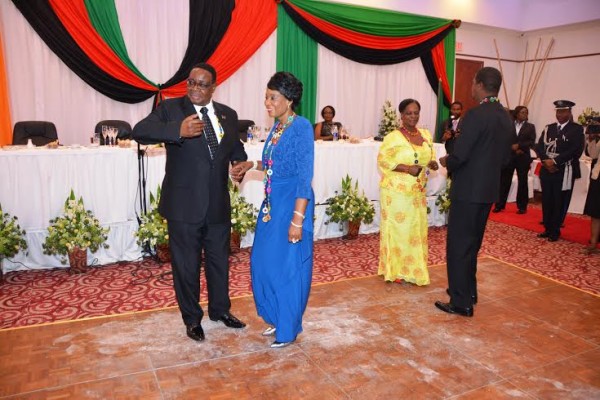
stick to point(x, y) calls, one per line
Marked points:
point(192, 83)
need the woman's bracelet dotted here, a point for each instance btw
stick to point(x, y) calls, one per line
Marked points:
point(299, 214)
point(296, 225)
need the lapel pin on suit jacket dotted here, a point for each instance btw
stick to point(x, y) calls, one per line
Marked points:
point(223, 116)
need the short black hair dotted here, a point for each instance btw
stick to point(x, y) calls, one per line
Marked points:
point(288, 85)
point(404, 103)
point(490, 78)
point(209, 68)
point(323, 111)
point(457, 103)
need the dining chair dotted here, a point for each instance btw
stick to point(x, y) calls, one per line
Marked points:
point(123, 127)
point(40, 132)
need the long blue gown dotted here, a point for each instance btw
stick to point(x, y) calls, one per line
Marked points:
point(282, 271)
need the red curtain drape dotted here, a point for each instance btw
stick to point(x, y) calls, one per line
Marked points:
point(5, 122)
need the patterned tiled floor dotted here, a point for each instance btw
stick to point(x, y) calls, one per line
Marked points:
point(530, 338)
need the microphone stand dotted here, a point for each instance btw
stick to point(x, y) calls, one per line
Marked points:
point(142, 190)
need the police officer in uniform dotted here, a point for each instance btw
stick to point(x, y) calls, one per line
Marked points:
point(559, 149)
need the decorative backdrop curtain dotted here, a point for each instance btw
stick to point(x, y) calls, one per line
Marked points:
point(87, 36)
point(374, 36)
point(5, 124)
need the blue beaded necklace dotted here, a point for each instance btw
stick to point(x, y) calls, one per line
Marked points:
point(278, 130)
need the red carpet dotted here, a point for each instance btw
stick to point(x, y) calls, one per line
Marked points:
point(576, 229)
point(44, 296)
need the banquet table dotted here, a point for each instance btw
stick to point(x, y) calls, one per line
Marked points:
point(34, 184)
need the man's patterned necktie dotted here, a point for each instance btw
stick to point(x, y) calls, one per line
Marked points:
point(209, 133)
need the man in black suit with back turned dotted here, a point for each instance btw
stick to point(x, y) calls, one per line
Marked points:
point(201, 139)
point(480, 152)
point(523, 142)
point(559, 149)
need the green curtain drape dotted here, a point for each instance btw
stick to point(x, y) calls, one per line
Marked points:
point(297, 53)
point(372, 21)
point(104, 18)
point(443, 112)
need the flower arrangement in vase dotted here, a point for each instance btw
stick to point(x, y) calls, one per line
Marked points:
point(12, 237)
point(586, 115)
point(153, 229)
point(351, 206)
point(443, 199)
point(243, 216)
point(389, 120)
point(73, 233)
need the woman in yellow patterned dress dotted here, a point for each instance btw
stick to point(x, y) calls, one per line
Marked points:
point(403, 159)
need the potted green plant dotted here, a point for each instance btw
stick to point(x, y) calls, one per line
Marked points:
point(153, 230)
point(243, 217)
point(350, 206)
point(12, 237)
point(389, 120)
point(73, 233)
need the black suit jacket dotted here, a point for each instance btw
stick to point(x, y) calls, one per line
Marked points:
point(447, 126)
point(194, 189)
point(480, 152)
point(569, 145)
point(526, 140)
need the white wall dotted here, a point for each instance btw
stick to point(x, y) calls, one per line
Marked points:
point(572, 78)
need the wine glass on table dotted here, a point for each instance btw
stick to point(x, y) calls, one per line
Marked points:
point(105, 134)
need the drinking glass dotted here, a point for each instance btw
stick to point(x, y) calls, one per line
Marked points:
point(105, 134)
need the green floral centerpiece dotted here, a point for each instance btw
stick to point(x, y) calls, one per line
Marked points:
point(243, 214)
point(586, 115)
point(443, 199)
point(12, 237)
point(153, 228)
point(76, 230)
point(351, 206)
point(389, 119)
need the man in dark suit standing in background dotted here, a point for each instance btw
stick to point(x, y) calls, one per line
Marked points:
point(452, 126)
point(524, 140)
point(201, 139)
point(559, 149)
point(480, 152)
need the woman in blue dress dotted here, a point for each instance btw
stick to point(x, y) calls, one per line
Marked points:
point(282, 254)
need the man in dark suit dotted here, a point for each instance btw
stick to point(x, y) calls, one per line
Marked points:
point(480, 152)
point(201, 139)
point(452, 126)
point(559, 149)
point(523, 141)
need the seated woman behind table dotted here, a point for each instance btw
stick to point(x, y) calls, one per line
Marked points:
point(323, 129)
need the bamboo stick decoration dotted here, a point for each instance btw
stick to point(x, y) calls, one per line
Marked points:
point(523, 74)
point(530, 80)
point(503, 77)
point(539, 74)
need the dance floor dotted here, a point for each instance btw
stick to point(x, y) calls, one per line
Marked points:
point(530, 338)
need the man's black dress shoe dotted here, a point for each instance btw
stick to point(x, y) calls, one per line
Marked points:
point(543, 235)
point(496, 210)
point(230, 321)
point(474, 298)
point(552, 238)
point(521, 211)
point(452, 309)
point(195, 332)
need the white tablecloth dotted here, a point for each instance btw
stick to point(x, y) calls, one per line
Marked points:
point(34, 184)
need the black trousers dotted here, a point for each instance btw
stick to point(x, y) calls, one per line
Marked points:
point(521, 163)
point(466, 226)
point(552, 201)
point(188, 242)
